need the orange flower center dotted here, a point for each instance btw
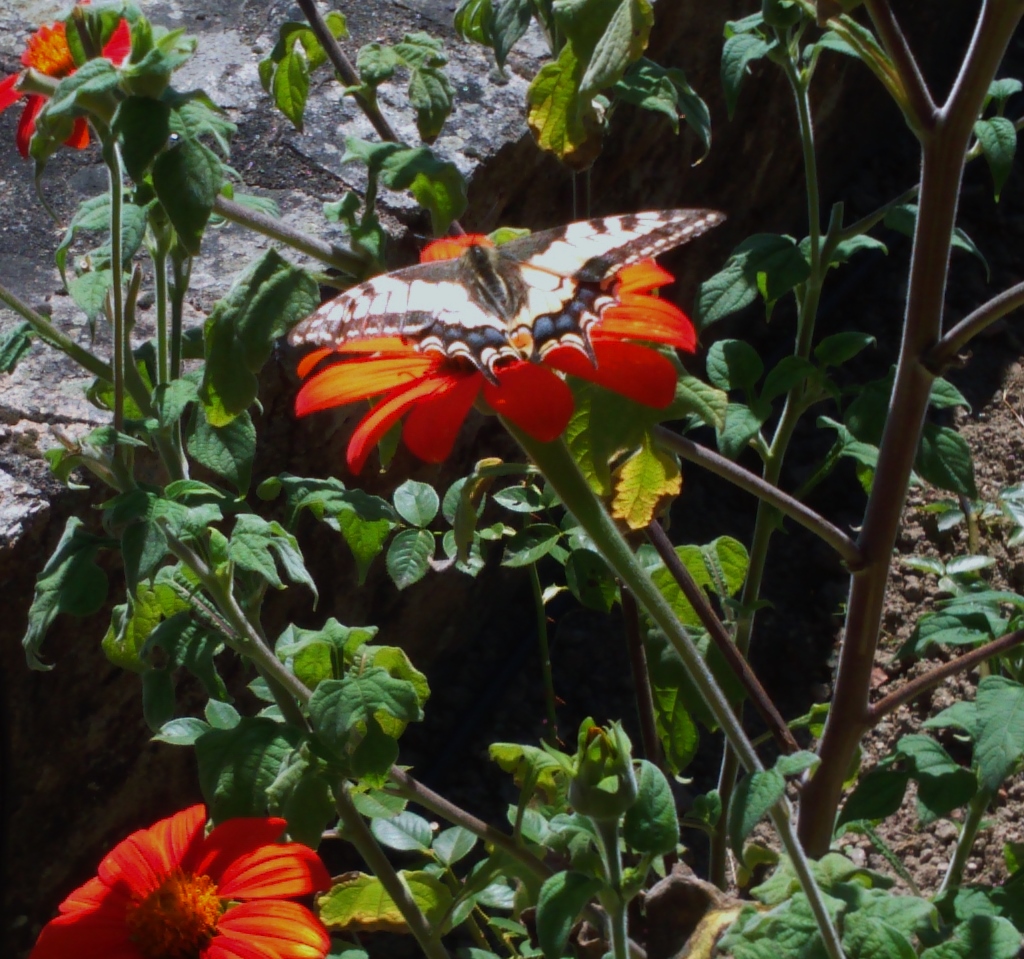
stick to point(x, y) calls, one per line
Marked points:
point(177, 919)
point(48, 52)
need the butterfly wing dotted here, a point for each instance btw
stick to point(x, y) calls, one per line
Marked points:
point(402, 303)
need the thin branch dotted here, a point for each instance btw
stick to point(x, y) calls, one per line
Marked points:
point(939, 357)
point(746, 480)
point(415, 791)
point(341, 257)
point(345, 70)
point(696, 598)
point(919, 100)
point(641, 680)
point(920, 685)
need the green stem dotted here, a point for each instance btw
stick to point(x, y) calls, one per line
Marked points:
point(181, 269)
point(159, 255)
point(358, 833)
point(551, 733)
point(49, 334)
point(340, 257)
point(560, 470)
point(641, 680)
point(122, 339)
point(613, 900)
point(965, 843)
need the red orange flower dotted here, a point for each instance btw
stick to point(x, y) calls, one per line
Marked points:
point(171, 892)
point(437, 391)
point(48, 52)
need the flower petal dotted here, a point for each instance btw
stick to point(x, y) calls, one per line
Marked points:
point(281, 870)
point(635, 372)
point(641, 277)
point(452, 247)
point(89, 897)
point(288, 930)
point(229, 841)
point(98, 934)
point(383, 416)
point(79, 138)
point(650, 318)
point(143, 860)
point(310, 360)
point(9, 92)
point(434, 423)
point(223, 947)
point(27, 123)
point(360, 379)
point(117, 48)
point(533, 398)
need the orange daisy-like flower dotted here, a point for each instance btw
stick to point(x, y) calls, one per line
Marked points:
point(171, 892)
point(48, 52)
point(437, 391)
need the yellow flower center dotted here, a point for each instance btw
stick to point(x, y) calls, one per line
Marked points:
point(177, 919)
point(48, 52)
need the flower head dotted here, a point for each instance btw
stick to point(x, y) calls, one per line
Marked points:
point(47, 52)
point(435, 391)
point(171, 892)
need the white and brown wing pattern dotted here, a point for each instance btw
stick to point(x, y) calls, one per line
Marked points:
point(515, 301)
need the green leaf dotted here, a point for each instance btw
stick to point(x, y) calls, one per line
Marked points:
point(980, 937)
point(192, 645)
point(644, 485)
point(740, 428)
point(181, 732)
point(436, 184)
point(651, 825)
point(562, 898)
point(187, 178)
point(1000, 717)
point(945, 395)
point(944, 460)
point(943, 785)
point(945, 629)
point(237, 766)
point(474, 21)
point(903, 219)
point(734, 365)
point(302, 794)
point(754, 795)
point(262, 304)
point(868, 937)
point(855, 244)
point(454, 844)
point(737, 54)
point(405, 832)
point(1001, 90)
point(142, 126)
point(359, 903)
point(606, 36)
point(530, 544)
point(676, 728)
point(409, 556)
point(695, 398)
point(878, 794)
point(648, 85)
point(70, 582)
point(15, 345)
point(228, 451)
point(417, 503)
point(590, 581)
point(290, 86)
point(839, 348)
point(788, 373)
point(998, 139)
point(256, 544)
point(340, 709)
point(430, 95)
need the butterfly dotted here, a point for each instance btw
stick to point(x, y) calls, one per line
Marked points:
point(516, 301)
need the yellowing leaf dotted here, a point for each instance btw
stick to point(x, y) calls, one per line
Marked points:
point(359, 903)
point(563, 122)
point(644, 485)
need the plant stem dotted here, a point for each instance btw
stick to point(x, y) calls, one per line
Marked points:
point(561, 472)
point(122, 344)
point(641, 680)
point(942, 354)
point(159, 256)
point(943, 157)
point(49, 334)
point(358, 833)
point(965, 842)
point(551, 733)
point(751, 483)
point(918, 686)
point(720, 637)
point(613, 900)
point(346, 260)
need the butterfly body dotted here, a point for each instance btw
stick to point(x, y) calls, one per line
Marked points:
point(517, 301)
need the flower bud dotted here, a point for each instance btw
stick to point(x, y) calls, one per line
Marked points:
point(604, 785)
